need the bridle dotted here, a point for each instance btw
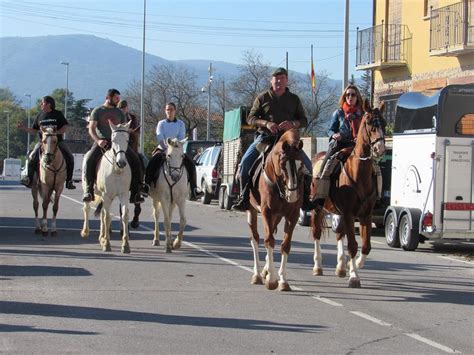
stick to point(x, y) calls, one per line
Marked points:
point(376, 124)
point(114, 152)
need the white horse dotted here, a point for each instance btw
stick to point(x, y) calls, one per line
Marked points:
point(113, 180)
point(52, 174)
point(170, 191)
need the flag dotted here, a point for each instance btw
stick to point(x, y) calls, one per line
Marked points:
point(313, 78)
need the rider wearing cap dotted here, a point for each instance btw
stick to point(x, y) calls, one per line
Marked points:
point(274, 110)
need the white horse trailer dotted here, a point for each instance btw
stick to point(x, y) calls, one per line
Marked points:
point(432, 168)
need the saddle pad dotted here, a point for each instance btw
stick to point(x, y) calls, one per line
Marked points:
point(317, 167)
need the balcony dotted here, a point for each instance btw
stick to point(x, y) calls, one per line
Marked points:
point(383, 46)
point(452, 30)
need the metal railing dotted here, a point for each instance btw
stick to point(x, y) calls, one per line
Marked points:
point(451, 26)
point(385, 43)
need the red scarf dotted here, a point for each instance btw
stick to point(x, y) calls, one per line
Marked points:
point(352, 114)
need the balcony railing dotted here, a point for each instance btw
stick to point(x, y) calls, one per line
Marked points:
point(383, 46)
point(452, 29)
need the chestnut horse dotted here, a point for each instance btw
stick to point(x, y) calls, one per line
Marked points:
point(277, 194)
point(353, 197)
point(52, 174)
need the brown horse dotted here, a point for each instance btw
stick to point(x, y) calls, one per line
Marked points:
point(277, 194)
point(353, 197)
point(52, 174)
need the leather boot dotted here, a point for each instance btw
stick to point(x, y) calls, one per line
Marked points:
point(243, 202)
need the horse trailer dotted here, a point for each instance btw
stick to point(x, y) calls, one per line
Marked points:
point(238, 136)
point(432, 193)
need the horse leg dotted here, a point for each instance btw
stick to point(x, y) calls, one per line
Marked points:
point(57, 195)
point(34, 193)
point(136, 216)
point(354, 280)
point(86, 208)
point(182, 224)
point(316, 230)
point(290, 224)
point(156, 217)
point(44, 221)
point(167, 213)
point(125, 217)
point(271, 281)
point(365, 230)
point(341, 256)
point(254, 241)
point(105, 221)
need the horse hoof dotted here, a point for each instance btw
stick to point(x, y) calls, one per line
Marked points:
point(155, 243)
point(54, 234)
point(340, 272)
point(264, 274)
point(284, 286)
point(126, 249)
point(354, 283)
point(135, 223)
point(37, 230)
point(318, 271)
point(271, 285)
point(106, 247)
point(84, 235)
point(168, 250)
point(256, 280)
point(176, 244)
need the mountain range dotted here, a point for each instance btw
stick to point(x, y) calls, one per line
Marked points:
point(32, 65)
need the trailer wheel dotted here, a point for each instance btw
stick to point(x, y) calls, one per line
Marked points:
point(391, 231)
point(409, 238)
point(228, 201)
point(221, 198)
point(206, 196)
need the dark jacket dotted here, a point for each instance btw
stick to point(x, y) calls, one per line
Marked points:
point(341, 125)
point(267, 106)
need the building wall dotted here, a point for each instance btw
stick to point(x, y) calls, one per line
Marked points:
point(423, 72)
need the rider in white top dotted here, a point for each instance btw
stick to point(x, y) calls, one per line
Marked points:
point(169, 128)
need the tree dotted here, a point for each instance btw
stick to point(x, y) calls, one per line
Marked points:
point(366, 85)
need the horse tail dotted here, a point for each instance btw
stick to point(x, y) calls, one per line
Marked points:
point(98, 209)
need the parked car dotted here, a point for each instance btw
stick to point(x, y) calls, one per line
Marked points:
point(194, 149)
point(208, 173)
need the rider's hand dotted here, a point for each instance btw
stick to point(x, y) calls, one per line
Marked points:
point(337, 136)
point(272, 127)
point(286, 125)
point(102, 143)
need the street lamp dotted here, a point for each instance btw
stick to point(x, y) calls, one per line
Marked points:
point(67, 90)
point(29, 118)
point(208, 89)
point(8, 132)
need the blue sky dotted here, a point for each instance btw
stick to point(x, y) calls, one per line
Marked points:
point(215, 30)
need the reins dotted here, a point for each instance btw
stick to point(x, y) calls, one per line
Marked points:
point(169, 171)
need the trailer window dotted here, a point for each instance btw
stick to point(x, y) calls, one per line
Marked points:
point(465, 125)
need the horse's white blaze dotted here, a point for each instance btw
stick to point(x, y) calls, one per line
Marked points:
point(292, 183)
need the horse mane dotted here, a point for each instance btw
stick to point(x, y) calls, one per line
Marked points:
point(292, 137)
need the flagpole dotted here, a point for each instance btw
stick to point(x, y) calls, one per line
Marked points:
point(312, 76)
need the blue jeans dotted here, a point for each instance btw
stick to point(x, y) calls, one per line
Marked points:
point(252, 154)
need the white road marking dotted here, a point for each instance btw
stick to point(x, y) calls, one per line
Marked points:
point(458, 260)
point(432, 343)
point(370, 318)
point(328, 301)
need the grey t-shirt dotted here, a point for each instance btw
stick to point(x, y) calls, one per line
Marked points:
point(102, 115)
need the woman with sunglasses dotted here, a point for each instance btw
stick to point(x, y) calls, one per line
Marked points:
point(342, 133)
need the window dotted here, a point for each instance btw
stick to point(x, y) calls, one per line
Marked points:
point(465, 125)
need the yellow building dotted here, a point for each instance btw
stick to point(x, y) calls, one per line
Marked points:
point(417, 45)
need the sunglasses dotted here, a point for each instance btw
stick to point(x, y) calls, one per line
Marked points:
point(350, 94)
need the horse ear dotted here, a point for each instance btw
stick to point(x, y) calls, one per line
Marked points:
point(43, 129)
point(366, 105)
point(184, 140)
point(300, 145)
point(114, 127)
point(169, 141)
point(127, 125)
point(381, 106)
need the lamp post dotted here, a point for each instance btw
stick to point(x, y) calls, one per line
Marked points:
point(142, 88)
point(208, 126)
point(8, 132)
point(67, 90)
point(29, 118)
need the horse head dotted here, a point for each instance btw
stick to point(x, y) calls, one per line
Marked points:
point(49, 144)
point(174, 158)
point(372, 130)
point(119, 140)
point(288, 166)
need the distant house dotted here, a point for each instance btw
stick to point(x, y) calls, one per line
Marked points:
point(417, 46)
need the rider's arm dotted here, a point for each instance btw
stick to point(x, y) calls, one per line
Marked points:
point(334, 126)
point(29, 130)
point(63, 129)
point(160, 134)
point(182, 130)
point(92, 132)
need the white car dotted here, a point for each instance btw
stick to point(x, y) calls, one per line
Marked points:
point(208, 175)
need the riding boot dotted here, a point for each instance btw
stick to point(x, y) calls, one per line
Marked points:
point(89, 173)
point(308, 203)
point(243, 202)
point(191, 170)
point(152, 171)
point(69, 159)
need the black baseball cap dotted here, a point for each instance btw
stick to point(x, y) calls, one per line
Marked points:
point(279, 71)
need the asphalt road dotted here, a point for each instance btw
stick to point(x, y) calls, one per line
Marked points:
point(64, 294)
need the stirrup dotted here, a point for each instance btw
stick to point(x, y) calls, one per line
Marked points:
point(241, 205)
point(138, 198)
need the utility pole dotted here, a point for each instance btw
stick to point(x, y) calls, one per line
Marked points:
point(142, 92)
point(29, 123)
point(208, 128)
point(345, 78)
point(67, 91)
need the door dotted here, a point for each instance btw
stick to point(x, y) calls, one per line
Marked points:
point(458, 201)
